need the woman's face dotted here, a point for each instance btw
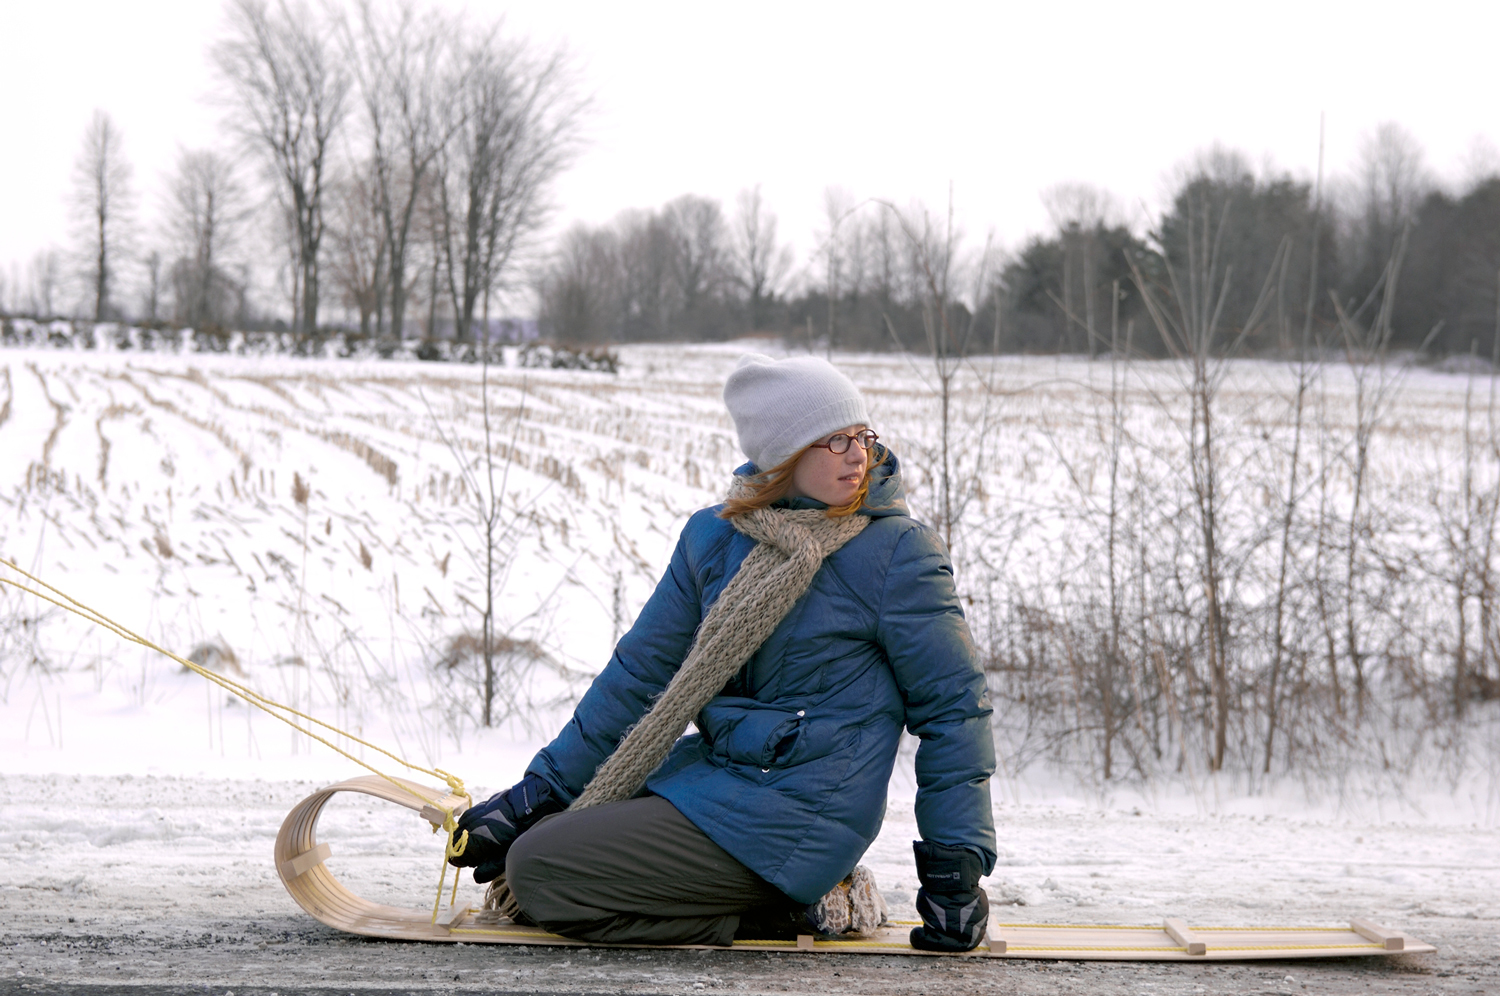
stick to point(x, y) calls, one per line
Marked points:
point(829, 477)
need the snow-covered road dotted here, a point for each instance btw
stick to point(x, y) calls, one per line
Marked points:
point(162, 882)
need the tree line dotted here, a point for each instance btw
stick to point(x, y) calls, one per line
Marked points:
point(691, 271)
point(1328, 252)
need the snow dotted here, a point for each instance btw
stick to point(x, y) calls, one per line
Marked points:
point(144, 844)
point(160, 491)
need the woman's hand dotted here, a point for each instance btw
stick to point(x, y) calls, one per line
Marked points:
point(494, 825)
point(953, 907)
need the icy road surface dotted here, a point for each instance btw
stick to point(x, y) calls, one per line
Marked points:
point(167, 884)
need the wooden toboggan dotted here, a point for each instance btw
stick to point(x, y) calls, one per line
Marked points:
point(301, 862)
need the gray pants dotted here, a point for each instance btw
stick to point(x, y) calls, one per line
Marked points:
point(633, 872)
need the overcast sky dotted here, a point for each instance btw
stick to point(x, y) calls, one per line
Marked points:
point(888, 100)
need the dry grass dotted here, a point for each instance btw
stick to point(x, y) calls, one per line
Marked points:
point(1075, 542)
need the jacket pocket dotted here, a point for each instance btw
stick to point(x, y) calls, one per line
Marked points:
point(781, 742)
point(745, 731)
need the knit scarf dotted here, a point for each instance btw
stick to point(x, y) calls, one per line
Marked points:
point(791, 545)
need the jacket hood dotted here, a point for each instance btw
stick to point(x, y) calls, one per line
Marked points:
point(886, 495)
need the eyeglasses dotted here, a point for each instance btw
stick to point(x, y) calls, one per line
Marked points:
point(839, 441)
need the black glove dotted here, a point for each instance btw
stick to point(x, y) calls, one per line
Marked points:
point(494, 825)
point(953, 907)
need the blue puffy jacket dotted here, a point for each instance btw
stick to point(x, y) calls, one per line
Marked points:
point(789, 767)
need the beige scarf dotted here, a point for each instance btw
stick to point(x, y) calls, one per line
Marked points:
point(791, 546)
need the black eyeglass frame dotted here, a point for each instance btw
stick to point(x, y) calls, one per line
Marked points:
point(866, 438)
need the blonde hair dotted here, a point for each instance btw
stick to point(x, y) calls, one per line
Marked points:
point(769, 487)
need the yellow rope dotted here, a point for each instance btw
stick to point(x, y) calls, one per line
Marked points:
point(455, 784)
point(1293, 947)
point(1068, 926)
point(437, 900)
point(1114, 926)
point(749, 943)
point(1165, 947)
point(1101, 947)
point(499, 932)
point(1330, 930)
point(1093, 947)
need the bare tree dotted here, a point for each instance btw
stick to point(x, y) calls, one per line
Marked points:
point(103, 200)
point(699, 253)
point(514, 128)
point(1390, 181)
point(1376, 385)
point(151, 293)
point(1305, 371)
point(1189, 315)
point(838, 207)
point(760, 263)
point(290, 93)
point(1081, 214)
point(46, 280)
point(580, 291)
point(358, 264)
point(1392, 176)
point(206, 209)
point(408, 74)
point(883, 267)
point(649, 294)
point(950, 296)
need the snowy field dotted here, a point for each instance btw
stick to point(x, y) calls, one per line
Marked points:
point(154, 881)
point(164, 492)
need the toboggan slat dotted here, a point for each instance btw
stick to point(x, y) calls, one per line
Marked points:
point(301, 863)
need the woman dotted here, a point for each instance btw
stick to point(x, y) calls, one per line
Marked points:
point(801, 625)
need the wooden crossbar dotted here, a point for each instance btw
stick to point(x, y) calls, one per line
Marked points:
point(434, 812)
point(452, 916)
point(306, 861)
point(1393, 940)
point(1179, 932)
point(994, 942)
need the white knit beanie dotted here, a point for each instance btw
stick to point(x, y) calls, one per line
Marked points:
point(779, 406)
